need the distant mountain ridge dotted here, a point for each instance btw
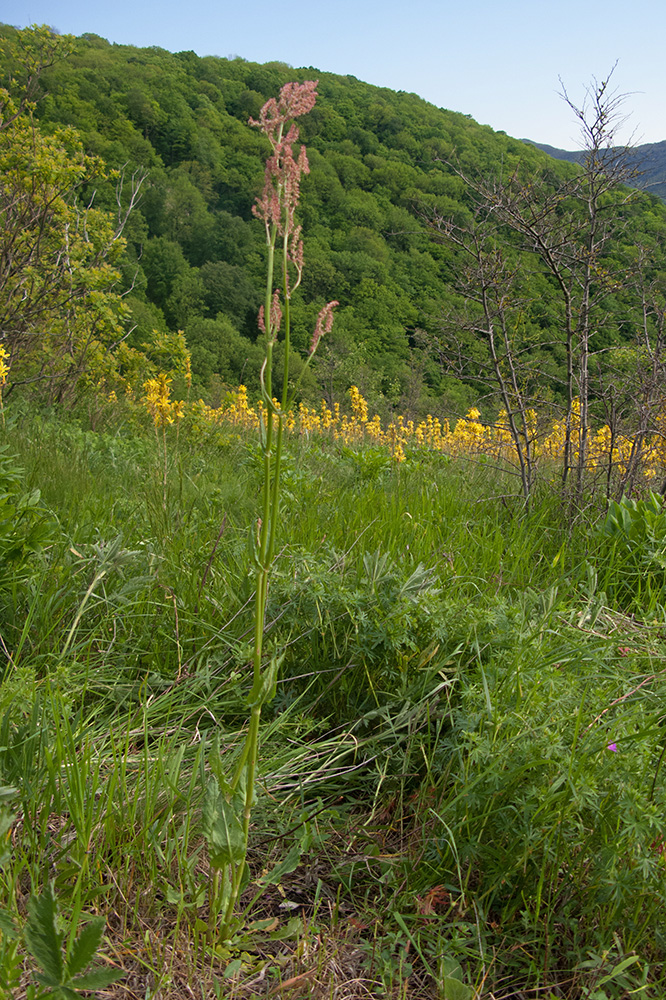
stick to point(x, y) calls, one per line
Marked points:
point(649, 158)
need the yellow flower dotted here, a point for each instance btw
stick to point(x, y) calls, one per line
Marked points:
point(157, 402)
point(4, 367)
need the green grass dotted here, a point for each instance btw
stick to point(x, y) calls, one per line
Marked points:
point(438, 812)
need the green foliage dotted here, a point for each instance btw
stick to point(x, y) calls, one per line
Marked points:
point(373, 622)
point(57, 290)
point(25, 525)
point(61, 958)
point(630, 553)
point(218, 349)
point(63, 970)
point(222, 824)
point(461, 746)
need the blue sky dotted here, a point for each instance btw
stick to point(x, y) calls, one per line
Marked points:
point(498, 62)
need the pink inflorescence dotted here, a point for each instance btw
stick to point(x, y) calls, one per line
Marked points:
point(275, 318)
point(295, 100)
point(278, 200)
point(323, 325)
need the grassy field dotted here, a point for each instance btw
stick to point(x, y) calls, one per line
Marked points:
point(460, 780)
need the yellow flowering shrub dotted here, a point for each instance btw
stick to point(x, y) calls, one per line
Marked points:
point(468, 438)
point(157, 401)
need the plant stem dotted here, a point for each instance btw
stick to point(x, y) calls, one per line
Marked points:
point(70, 635)
point(276, 207)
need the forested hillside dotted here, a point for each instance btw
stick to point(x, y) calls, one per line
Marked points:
point(380, 168)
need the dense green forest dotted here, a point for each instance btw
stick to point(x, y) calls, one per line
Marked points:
point(380, 170)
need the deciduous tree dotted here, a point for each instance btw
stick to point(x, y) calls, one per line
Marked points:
point(59, 255)
point(567, 228)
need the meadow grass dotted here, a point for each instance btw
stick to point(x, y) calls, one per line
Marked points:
point(461, 781)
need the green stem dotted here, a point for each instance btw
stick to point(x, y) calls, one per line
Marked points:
point(268, 437)
point(234, 892)
point(275, 498)
point(287, 322)
point(247, 764)
point(656, 772)
point(271, 438)
point(70, 635)
point(213, 903)
point(164, 468)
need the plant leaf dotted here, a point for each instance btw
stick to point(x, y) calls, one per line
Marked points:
point(41, 937)
point(288, 864)
point(6, 823)
point(263, 690)
point(614, 973)
point(222, 828)
point(420, 580)
point(85, 946)
point(97, 979)
point(8, 928)
point(455, 990)
point(233, 968)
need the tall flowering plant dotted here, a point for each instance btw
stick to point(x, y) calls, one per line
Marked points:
point(4, 372)
point(228, 804)
point(164, 411)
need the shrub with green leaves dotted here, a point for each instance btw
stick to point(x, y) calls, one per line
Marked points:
point(25, 525)
point(631, 552)
point(547, 812)
point(364, 621)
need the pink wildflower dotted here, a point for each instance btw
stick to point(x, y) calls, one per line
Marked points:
point(323, 325)
point(275, 318)
point(612, 746)
point(282, 178)
point(295, 257)
point(295, 100)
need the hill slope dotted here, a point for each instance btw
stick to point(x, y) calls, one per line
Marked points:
point(380, 164)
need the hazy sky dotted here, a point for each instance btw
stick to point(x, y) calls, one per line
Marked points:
point(497, 61)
